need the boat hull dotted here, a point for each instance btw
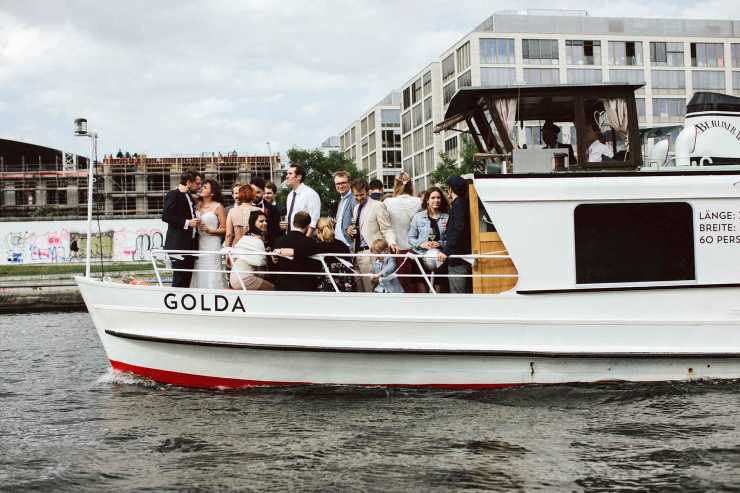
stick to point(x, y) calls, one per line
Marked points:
point(436, 341)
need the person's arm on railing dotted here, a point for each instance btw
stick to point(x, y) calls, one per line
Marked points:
point(388, 268)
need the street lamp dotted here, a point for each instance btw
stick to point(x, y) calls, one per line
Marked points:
point(269, 150)
point(82, 131)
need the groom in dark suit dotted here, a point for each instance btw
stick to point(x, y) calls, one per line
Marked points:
point(182, 225)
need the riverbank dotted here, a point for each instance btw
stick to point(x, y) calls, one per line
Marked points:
point(51, 287)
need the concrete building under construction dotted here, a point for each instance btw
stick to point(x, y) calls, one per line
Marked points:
point(40, 181)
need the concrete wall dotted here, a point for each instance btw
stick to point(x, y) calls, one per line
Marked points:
point(41, 242)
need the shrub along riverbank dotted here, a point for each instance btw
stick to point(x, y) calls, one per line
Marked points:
point(71, 269)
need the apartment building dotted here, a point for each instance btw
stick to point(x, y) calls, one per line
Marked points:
point(672, 57)
point(373, 141)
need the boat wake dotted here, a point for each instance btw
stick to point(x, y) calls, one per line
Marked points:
point(116, 377)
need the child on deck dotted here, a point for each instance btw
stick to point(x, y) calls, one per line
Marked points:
point(384, 269)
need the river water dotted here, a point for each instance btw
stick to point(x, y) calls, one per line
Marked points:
point(68, 423)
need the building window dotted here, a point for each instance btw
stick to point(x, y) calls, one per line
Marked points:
point(583, 52)
point(365, 164)
point(735, 50)
point(669, 54)
point(388, 181)
point(736, 81)
point(407, 146)
point(465, 80)
point(625, 53)
point(407, 98)
point(390, 118)
point(353, 136)
point(363, 127)
point(408, 166)
point(373, 161)
point(391, 159)
point(640, 102)
point(541, 76)
point(419, 164)
point(427, 83)
point(451, 147)
point(428, 109)
point(418, 117)
point(707, 55)
point(418, 139)
point(365, 148)
point(429, 161)
point(497, 76)
point(668, 79)
point(627, 76)
point(494, 50)
point(406, 122)
point(644, 242)
point(371, 141)
point(540, 51)
point(371, 121)
point(56, 196)
point(416, 91)
point(583, 75)
point(463, 57)
point(157, 182)
point(428, 135)
point(448, 68)
point(669, 107)
point(705, 79)
point(154, 205)
point(391, 138)
point(448, 92)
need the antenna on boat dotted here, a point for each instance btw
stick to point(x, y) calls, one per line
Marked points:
point(82, 131)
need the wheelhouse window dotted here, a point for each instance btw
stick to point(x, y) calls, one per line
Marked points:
point(637, 242)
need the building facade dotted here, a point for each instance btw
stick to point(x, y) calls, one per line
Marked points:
point(373, 141)
point(56, 184)
point(673, 58)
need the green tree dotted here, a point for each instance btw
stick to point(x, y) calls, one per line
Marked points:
point(320, 169)
point(449, 167)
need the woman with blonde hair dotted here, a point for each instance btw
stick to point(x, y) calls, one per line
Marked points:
point(401, 208)
point(328, 243)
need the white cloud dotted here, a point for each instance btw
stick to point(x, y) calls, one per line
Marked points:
point(198, 76)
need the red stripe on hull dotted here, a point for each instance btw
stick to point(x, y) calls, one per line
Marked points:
point(205, 382)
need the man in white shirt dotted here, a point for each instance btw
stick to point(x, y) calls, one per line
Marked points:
point(301, 198)
point(599, 148)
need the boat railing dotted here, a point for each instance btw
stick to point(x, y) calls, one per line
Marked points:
point(165, 256)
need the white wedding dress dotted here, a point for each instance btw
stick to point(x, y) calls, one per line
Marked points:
point(208, 243)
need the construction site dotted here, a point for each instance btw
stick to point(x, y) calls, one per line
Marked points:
point(38, 181)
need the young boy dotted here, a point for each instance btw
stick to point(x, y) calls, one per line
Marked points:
point(384, 269)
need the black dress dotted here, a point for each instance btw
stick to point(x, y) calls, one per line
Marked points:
point(346, 284)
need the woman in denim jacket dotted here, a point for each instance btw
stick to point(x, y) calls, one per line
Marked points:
point(427, 231)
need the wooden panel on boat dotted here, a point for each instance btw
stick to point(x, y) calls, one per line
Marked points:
point(488, 242)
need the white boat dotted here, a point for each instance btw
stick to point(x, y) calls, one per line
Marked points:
point(611, 275)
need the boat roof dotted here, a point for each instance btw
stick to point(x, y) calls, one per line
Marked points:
point(712, 101)
point(536, 101)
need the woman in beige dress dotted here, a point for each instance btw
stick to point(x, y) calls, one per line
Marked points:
point(237, 222)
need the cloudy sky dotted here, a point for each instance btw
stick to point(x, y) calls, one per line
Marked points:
point(186, 77)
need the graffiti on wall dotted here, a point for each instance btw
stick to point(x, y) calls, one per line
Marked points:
point(59, 242)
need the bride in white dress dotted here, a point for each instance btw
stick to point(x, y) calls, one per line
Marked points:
point(210, 237)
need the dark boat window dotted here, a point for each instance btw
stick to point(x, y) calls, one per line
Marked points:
point(634, 242)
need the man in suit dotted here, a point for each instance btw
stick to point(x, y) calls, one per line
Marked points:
point(182, 225)
point(345, 207)
point(458, 236)
point(271, 210)
point(299, 247)
point(370, 222)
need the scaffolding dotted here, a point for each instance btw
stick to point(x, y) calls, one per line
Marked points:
point(126, 186)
